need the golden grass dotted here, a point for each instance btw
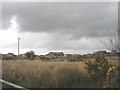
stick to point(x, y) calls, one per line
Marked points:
point(48, 74)
point(38, 74)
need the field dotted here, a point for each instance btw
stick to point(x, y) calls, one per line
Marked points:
point(47, 74)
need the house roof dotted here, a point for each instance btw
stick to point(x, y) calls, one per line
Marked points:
point(56, 53)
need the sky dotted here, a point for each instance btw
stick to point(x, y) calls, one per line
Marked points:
point(70, 27)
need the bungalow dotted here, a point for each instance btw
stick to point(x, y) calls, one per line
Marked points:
point(54, 55)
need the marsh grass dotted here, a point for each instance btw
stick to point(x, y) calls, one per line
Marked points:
point(48, 74)
point(38, 74)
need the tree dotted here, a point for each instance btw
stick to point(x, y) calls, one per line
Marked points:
point(112, 43)
point(30, 55)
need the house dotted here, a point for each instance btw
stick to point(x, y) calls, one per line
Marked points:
point(54, 55)
point(100, 53)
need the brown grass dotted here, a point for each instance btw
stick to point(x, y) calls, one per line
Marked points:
point(38, 74)
point(48, 74)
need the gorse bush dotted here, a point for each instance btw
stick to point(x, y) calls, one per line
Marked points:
point(100, 72)
point(107, 82)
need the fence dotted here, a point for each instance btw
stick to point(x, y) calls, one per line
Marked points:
point(13, 85)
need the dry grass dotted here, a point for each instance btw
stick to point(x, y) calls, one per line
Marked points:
point(38, 74)
point(50, 74)
point(113, 60)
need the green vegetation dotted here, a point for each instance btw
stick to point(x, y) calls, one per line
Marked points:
point(102, 73)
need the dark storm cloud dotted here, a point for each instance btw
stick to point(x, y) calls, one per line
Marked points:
point(77, 19)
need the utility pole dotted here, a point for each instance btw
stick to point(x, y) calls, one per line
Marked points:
point(18, 45)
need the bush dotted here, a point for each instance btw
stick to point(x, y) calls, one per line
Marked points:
point(30, 55)
point(100, 72)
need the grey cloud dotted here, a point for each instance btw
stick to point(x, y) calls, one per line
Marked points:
point(78, 19)
point(57, 41)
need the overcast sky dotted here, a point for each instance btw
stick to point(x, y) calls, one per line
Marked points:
point(71, 27)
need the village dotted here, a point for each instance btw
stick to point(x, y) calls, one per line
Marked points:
point(30, 55)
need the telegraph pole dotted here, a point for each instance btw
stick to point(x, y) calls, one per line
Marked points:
point(18, 45)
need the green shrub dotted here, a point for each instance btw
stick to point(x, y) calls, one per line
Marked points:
point(100, 72)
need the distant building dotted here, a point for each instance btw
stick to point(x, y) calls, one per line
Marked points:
point(54, 55)
point(100, 53)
